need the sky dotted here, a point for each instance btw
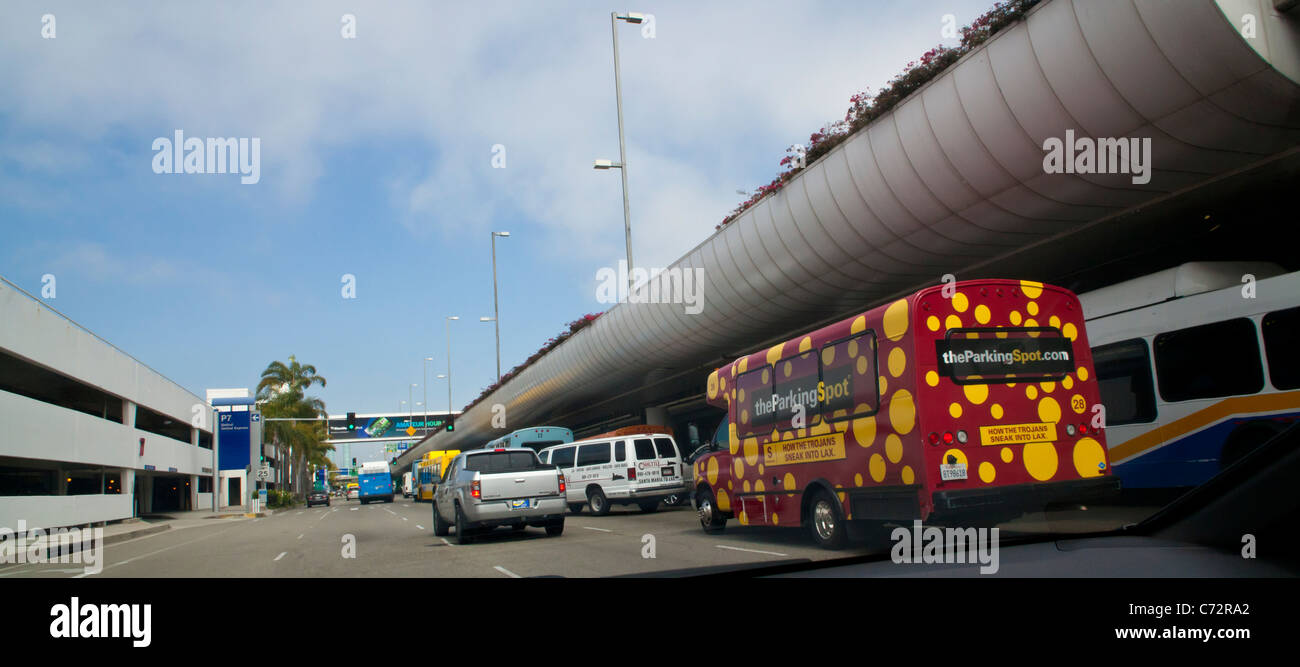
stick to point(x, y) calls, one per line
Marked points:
point(386, 160)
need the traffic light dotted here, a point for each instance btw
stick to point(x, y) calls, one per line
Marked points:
point(451, 424)
point(354, 462)
point(352, 421)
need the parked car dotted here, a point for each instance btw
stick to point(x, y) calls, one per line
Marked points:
point(484, 489)
point(319, 497)
point(637, 470)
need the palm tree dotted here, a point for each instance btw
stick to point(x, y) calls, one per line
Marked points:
point(282, 393)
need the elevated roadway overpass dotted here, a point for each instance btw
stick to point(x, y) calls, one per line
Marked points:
point(953, 180)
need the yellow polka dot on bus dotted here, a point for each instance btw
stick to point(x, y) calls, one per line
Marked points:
point(788, 482)
point(932, 378)
point(713, 471)
point(1031, 392)
point(746, 486)
point(713, 384)
point(982, 314)
point(894, 321)
point(976, 393)
point(859, 324)
point(1054, 322)
point(774, 353)
point(724, 503)
point(955, 410)
point(987, 472)
point(738, 468)
point(883, 385)
point(1031, 308)
point(932, 323)
point(742, 395)
point(960, 303)
point(1078, 404)
point(758, 487)
point(908, 475)
point(744, 518)
point(893, 448)
point(864, 431)
point(766, 376)
point(1082, 372)
point(776, 521)
point(1069, 331)
point(1015, 317)
point(722, 384)
point(1008, 455)
point(751, 451)
point(805, 344)
point(897, 361)
point(1048, 387)
point(996, 411)
point(902, 412)
point(744, 416)
point(1040, 460)
point(733, 439)
point(952, 322)
point(1031, 289)
point(828, 355)
point(822, 428)
point(760, 469)
point(1089, 458)
point(877, 468)
point(787, 368)
point(744, 364)
point(857, 479)
point(1067, 382)
point(862, 365)
point(1049, 410)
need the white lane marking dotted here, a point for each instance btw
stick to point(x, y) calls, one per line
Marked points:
point(419, 526)
point(300, 537)
point(282, 553)
point(444, 541)
point(752, 551)
point(506, 572)
point(603, 530)
point(355, 509)
point(404, 519)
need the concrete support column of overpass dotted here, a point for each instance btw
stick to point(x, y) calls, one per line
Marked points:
point(657, 416)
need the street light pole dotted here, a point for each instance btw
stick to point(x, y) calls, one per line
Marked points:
point(426, 393)
point(496, 311)
point(622, 150)
point(448, 323)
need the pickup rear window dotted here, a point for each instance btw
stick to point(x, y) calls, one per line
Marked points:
point(508, 461)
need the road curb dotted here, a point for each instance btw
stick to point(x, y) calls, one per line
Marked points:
point(132, 534)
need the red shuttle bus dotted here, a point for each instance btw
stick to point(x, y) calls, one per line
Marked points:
point(968, 403)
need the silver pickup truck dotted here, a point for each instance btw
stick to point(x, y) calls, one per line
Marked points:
point(486, 488)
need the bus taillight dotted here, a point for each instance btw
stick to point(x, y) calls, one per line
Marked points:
point(947, 437)
point(934, 438)
point(631, 474)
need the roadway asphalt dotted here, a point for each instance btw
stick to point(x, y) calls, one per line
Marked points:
point(396, 540)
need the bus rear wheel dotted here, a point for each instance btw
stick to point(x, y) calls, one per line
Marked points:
point(711, 518)
point(826, 521)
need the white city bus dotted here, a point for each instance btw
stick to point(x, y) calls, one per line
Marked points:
point(1197, 365)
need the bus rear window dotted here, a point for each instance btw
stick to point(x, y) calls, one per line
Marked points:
point(665, 447)
point(1004, 355)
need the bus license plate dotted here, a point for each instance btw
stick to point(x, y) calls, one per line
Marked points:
point(519, 504)
point(953, 471)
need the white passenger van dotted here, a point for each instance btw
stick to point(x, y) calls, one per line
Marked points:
point(637, 470)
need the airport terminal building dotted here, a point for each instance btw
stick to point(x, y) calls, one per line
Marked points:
point(87, 432)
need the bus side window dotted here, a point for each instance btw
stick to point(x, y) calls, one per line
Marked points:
point(620, 451)
point(1281, 330)
point(755, 416)
point(849, 377)
point(1124, 381)
point(1209, 361)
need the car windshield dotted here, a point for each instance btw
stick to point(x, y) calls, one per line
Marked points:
point(856, 270)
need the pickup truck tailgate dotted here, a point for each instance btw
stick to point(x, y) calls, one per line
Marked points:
point(513, 473)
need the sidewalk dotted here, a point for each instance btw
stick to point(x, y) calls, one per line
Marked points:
point(149, 524)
